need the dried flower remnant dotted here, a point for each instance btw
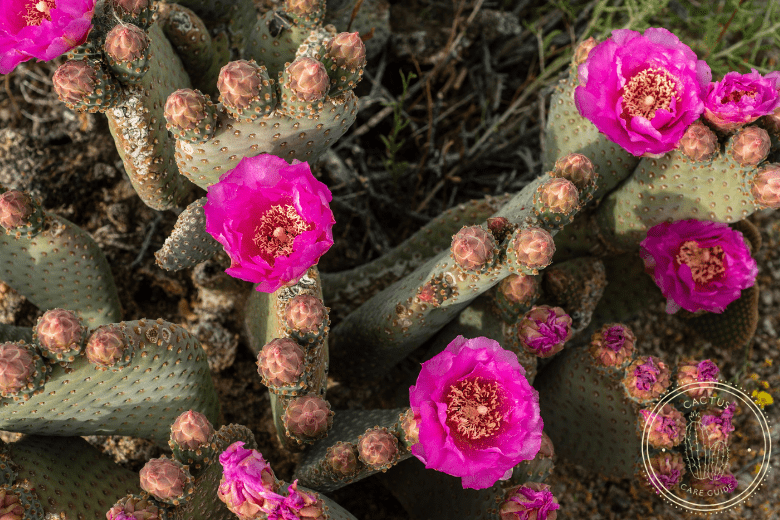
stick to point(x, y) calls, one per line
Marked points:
point(698, 265)
point(531, 501)
point(665, 429)
point(544, 330)
point(613, 345)
point(646, 378)
point(642, 90)
point(695, 376)
point(248, 486)
point(739, 99)
point(479, 417)
point(42, 29)
point(666, 471)
point(287, 230)
point(717, 425)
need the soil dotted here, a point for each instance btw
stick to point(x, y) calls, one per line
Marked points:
point(69, 161)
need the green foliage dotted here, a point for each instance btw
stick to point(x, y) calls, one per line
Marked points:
point(392, 142)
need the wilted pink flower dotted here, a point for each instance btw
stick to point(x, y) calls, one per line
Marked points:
point(717, 425)
point(272, 218)
point(479, 417)
point(531, 501)
point(43, 29)
point(698, 265)
point(248, 486)
point(544, 330)
point(642, 90)
point(298, 505)
point(666, 470)
point(739, 99)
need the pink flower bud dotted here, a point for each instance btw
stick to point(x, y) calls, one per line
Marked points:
point(107, 346)
point(612, 346)
point(342, 459)
point(697, 377)
point(766, 186)
point(666, 471)
point(308, 79)
point(300, 7)
point(531, 501)
point(547, 450)
point(185, 109)
point(646, 378)
point(16, 208)
point(699, 142)
point(191, 430)
point(281, 362)
point(665, 429)
point(559, 195)
point(74, 80)
point(750, 145)
point(308, 417)
point(134, 508)
point(306, 314)
point(472, 247)
point(577, 168)
point(166, 480)
point(544, 330)
point(239, 83)
point(347, 50)
point(11, 507)
point(519, 288)
point(499, 226)
point(17, 367)
point(534, 247)
point(126, 42)
point(410, 424)
point(378, 448)
point(59, 330)
point(131, 7)
point(583, 49)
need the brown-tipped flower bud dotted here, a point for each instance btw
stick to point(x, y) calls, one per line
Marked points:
point(612, 346)
point(696, 378)
point(185, 109)
point(766, 186)
point(534, 247)
point(304, 505)
point(17, 367)
point(10, 505)
point(577, 168)
point(559, 195)
point(133, 507)
point(300, 7)
point(665, 471)
point(126, 42)
point(519, 288)
point(59, 331)
point(306, 314)
point(191, 430)
point(544, 330)
point(583, 49)
point(531, 501)
point(378, 448)
point(308, 79)
point(699, 143)
point(665, 428)
point(281, 362)
point(546, 450)
point(132, 7)
point(74, 80)
point(410, 425)
point(16, 208)
point(499, 226)
point(646, 378)
point(751, 145)
point(308, 417)
point(107, 347)
point(239, 83)
point(342, 459)
point(166, 480)
point(347, 50)
point(472, 247)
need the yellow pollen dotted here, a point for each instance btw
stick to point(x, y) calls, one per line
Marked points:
point(706, 263)
point(277, 230)
point(474, 408)
point(649, 91)
point(38, 11)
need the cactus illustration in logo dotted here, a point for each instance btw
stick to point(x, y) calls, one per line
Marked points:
point(705, 458)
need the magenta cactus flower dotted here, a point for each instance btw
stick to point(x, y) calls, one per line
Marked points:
point(42, 29)
point(479, 417)
point(739, 99)
point(248, 486)
point(272, 218)
point(642, 90)
point(698, 265)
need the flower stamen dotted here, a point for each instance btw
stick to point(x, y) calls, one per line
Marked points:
point(706, 263)
point(278, 227)
point(649, 91)
point(37, 11)
point(474, 408)
point(736, 95)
